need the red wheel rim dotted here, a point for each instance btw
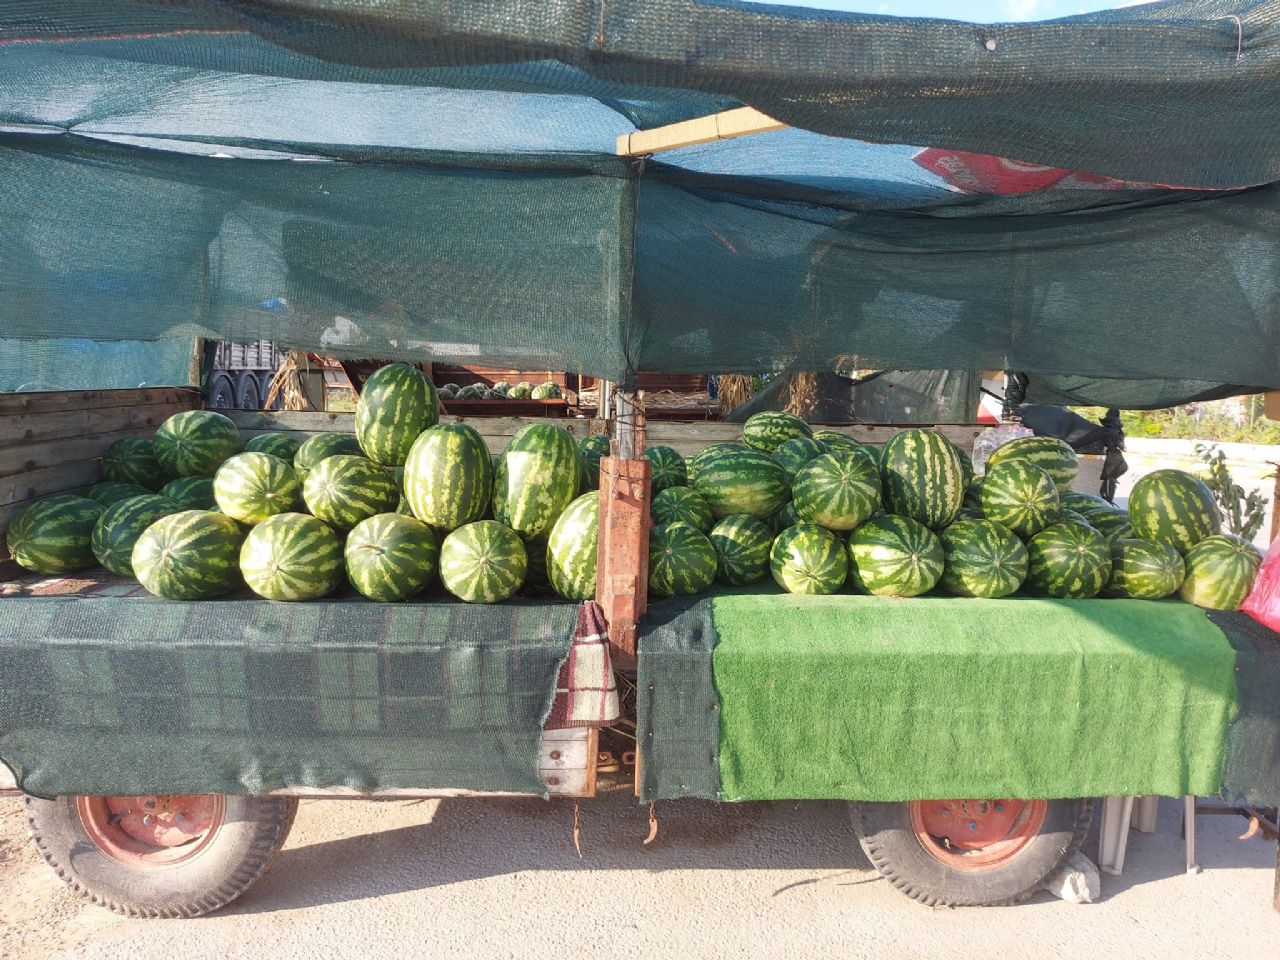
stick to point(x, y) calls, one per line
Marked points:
point(152, 830)
point(976, 834)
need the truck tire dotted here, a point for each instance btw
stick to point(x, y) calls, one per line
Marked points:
point(970, 853)
point(160, 856)
point(247, 396)
point(222, 393)
point(264, 390)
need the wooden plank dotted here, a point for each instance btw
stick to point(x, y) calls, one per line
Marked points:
point(726, 125)
point(44, 483)
point(50, 453)
point(37, 427)
point(12, 404)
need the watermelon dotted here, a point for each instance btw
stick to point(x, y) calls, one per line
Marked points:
point(521, 391)
point(837, 490)
point(252, 486)
point(391, 557)
point(1020, 496)
point(1083, 503)
point(345, 489)
point(788, 516)
point(109, 493)
point(502, 386)
point(742, 549)
point(973, 496)
point(966, 465)
point(291, 556)
point(483, 562)
point(922, 477)
point(571, 549)
point(447, 391)
point(1173, 507)
point(834, 440)
point(195, 442)
point(1220, 571)
point(133, 460)
point(277, 444)
point(808, 559)
point(545, 391)
point(796, 452)
point(537, 478)
point(1069, 561)
point(1070, 516)
point(1112, 524)
point(771, 428)
point(120, 526)
point(591, 450)
point(396, 404)
point(742, 482)
point(191, 555)
point(668, 468)
point(895, 556)
point(320, 446)
point(55, 535)
point(1144, 570)
point(682, 560)
point(984, 559)
point(707, 453)
point(190, 493)
point(1055, 457)
point(683, 504)
point(448, 478)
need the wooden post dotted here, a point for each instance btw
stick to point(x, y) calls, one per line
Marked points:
point(622, 580)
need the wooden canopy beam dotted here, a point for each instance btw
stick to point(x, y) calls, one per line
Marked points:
point(687, 133)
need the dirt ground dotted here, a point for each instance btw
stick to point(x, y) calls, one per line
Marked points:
point(499, 878)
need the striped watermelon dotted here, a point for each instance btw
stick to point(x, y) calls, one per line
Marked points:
point(483, 562)
point(1069, 561)
point(537, 478)
point(683, 504)
point(291, 556)
point(391, 557)
point(252, 486)
point(834, 440)
point(1020, 496)
point(742, 482)
point(796, 452)
point(191, 555)
point(1070, 516)
point(895, 556)
point(1113, 524)
point(448, 478)
point(319, 447)
point(572, 547)
point(808, 559)
point(771, 428)
point(120, 526)
point(190, 493)
point(546, 391)
point(1083, 503)
point(54, 535)
point(1173, 507)
point(1144, 570)
point(707, 453)
point(667, 467)
point(984, 559)
point(838, 491)
point(591, 450)
point(1055, 457)
point(973, 495)
point(502, 386)
point(134, 460)
point(195, 442)
point(788, 516)
point(922, 477)
point(277, 444)
point(682, 560)
point(966, 465)
point(345, 489)
point(742, 549)
point(109, 493)
point(521, 391)
point(1220, 572)
point(396, 404)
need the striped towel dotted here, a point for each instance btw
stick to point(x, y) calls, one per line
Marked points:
point(586, 692)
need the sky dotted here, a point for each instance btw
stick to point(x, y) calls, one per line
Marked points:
point(978, 11)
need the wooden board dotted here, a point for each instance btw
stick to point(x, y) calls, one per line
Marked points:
point(12, 404)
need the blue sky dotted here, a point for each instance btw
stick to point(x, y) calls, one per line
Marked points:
point(979, 11)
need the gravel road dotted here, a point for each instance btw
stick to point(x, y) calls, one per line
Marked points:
point(499, 878)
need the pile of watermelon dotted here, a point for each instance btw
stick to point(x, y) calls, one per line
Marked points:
point(408, 503)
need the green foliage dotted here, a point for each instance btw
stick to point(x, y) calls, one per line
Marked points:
point(1212, 421)
point(1243, 514)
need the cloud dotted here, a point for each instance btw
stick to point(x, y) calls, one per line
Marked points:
point(1022, 9)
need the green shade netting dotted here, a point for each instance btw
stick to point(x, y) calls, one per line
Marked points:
point(863, 698)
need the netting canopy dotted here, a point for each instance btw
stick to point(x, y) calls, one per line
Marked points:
point(438, 181)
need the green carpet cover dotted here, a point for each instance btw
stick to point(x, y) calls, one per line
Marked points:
point(865, 698)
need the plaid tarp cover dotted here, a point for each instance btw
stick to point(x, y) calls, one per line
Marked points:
point(104, 689)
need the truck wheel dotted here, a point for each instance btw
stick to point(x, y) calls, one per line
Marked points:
point(264, 390)
point(970, 853)
point(160, 856)
point(222, 394)
point(247, 397)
